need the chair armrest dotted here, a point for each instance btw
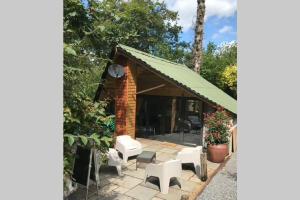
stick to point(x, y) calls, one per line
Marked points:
point(120, 147)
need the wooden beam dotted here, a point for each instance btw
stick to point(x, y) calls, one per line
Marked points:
point(150, 89)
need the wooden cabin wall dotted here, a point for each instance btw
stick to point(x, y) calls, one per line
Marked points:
point(122, 91)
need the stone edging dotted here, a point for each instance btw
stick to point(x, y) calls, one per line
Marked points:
point(200, 188)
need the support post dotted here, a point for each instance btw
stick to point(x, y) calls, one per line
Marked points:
point(203, 159)
point(173, 114)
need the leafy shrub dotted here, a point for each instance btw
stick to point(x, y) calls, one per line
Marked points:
point(85, 124)
point(217, 124)
point(229, 79)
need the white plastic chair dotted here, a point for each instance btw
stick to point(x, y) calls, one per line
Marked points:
point(128, 146)
point(115, 160)
point(191, 155)
point(164, 171)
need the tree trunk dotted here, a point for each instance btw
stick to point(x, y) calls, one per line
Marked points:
point(197, 51)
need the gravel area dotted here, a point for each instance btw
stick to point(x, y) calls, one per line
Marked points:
point(223, 185)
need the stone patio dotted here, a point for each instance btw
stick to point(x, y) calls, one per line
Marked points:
point(131, 185)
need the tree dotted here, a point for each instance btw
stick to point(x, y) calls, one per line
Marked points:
point(92, 30)
point(197, 51)
point(229, 80)
point(215, 60)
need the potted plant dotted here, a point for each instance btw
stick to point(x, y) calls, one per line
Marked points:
point(217, 134)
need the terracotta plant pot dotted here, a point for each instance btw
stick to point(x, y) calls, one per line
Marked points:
point(217, 153)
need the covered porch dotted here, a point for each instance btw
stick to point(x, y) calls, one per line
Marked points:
point(167, 112)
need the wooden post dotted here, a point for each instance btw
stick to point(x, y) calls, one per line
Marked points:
point(203, 174)
point(234, 138)
point(173, 114)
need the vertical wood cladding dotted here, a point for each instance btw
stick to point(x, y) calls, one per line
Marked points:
point(125, 97)
point(120, 103)
point(131, 100)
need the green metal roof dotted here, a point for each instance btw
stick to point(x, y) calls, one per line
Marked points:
point(185, 77)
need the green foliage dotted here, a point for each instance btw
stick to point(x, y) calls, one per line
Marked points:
point(217, 124)
point(143, 24)
point(215, 61)
point(229, 79)
point(85, 124)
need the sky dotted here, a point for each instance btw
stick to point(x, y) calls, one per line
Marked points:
point(220, 19)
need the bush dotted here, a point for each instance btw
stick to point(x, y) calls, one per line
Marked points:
point(87, 125)
point(217, 124)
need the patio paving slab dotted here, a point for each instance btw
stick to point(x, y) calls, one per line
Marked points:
point(156, 198)
point(111, 196)
point(187, 174)
point(168, 150)
point(165, 157)
point(187, 186)
point(121, 190)
point(139, 173)
point(152, 183)
point(153, 148)
point(142, 193)
point(126, 181)
point(173, 194)
point(195, 179)
point(108, 188)
point(131, 186)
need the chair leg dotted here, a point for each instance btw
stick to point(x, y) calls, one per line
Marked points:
point(125, 158)
point(197, 168)
point(164, 185)
point(145, 179)
point(179, 184)
point(119, 169)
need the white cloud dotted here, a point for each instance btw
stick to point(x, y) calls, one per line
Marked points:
point(220, 8)
point(187, 10)
point(225, 29)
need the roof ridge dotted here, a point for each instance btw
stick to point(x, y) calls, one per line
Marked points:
point(150, 55)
